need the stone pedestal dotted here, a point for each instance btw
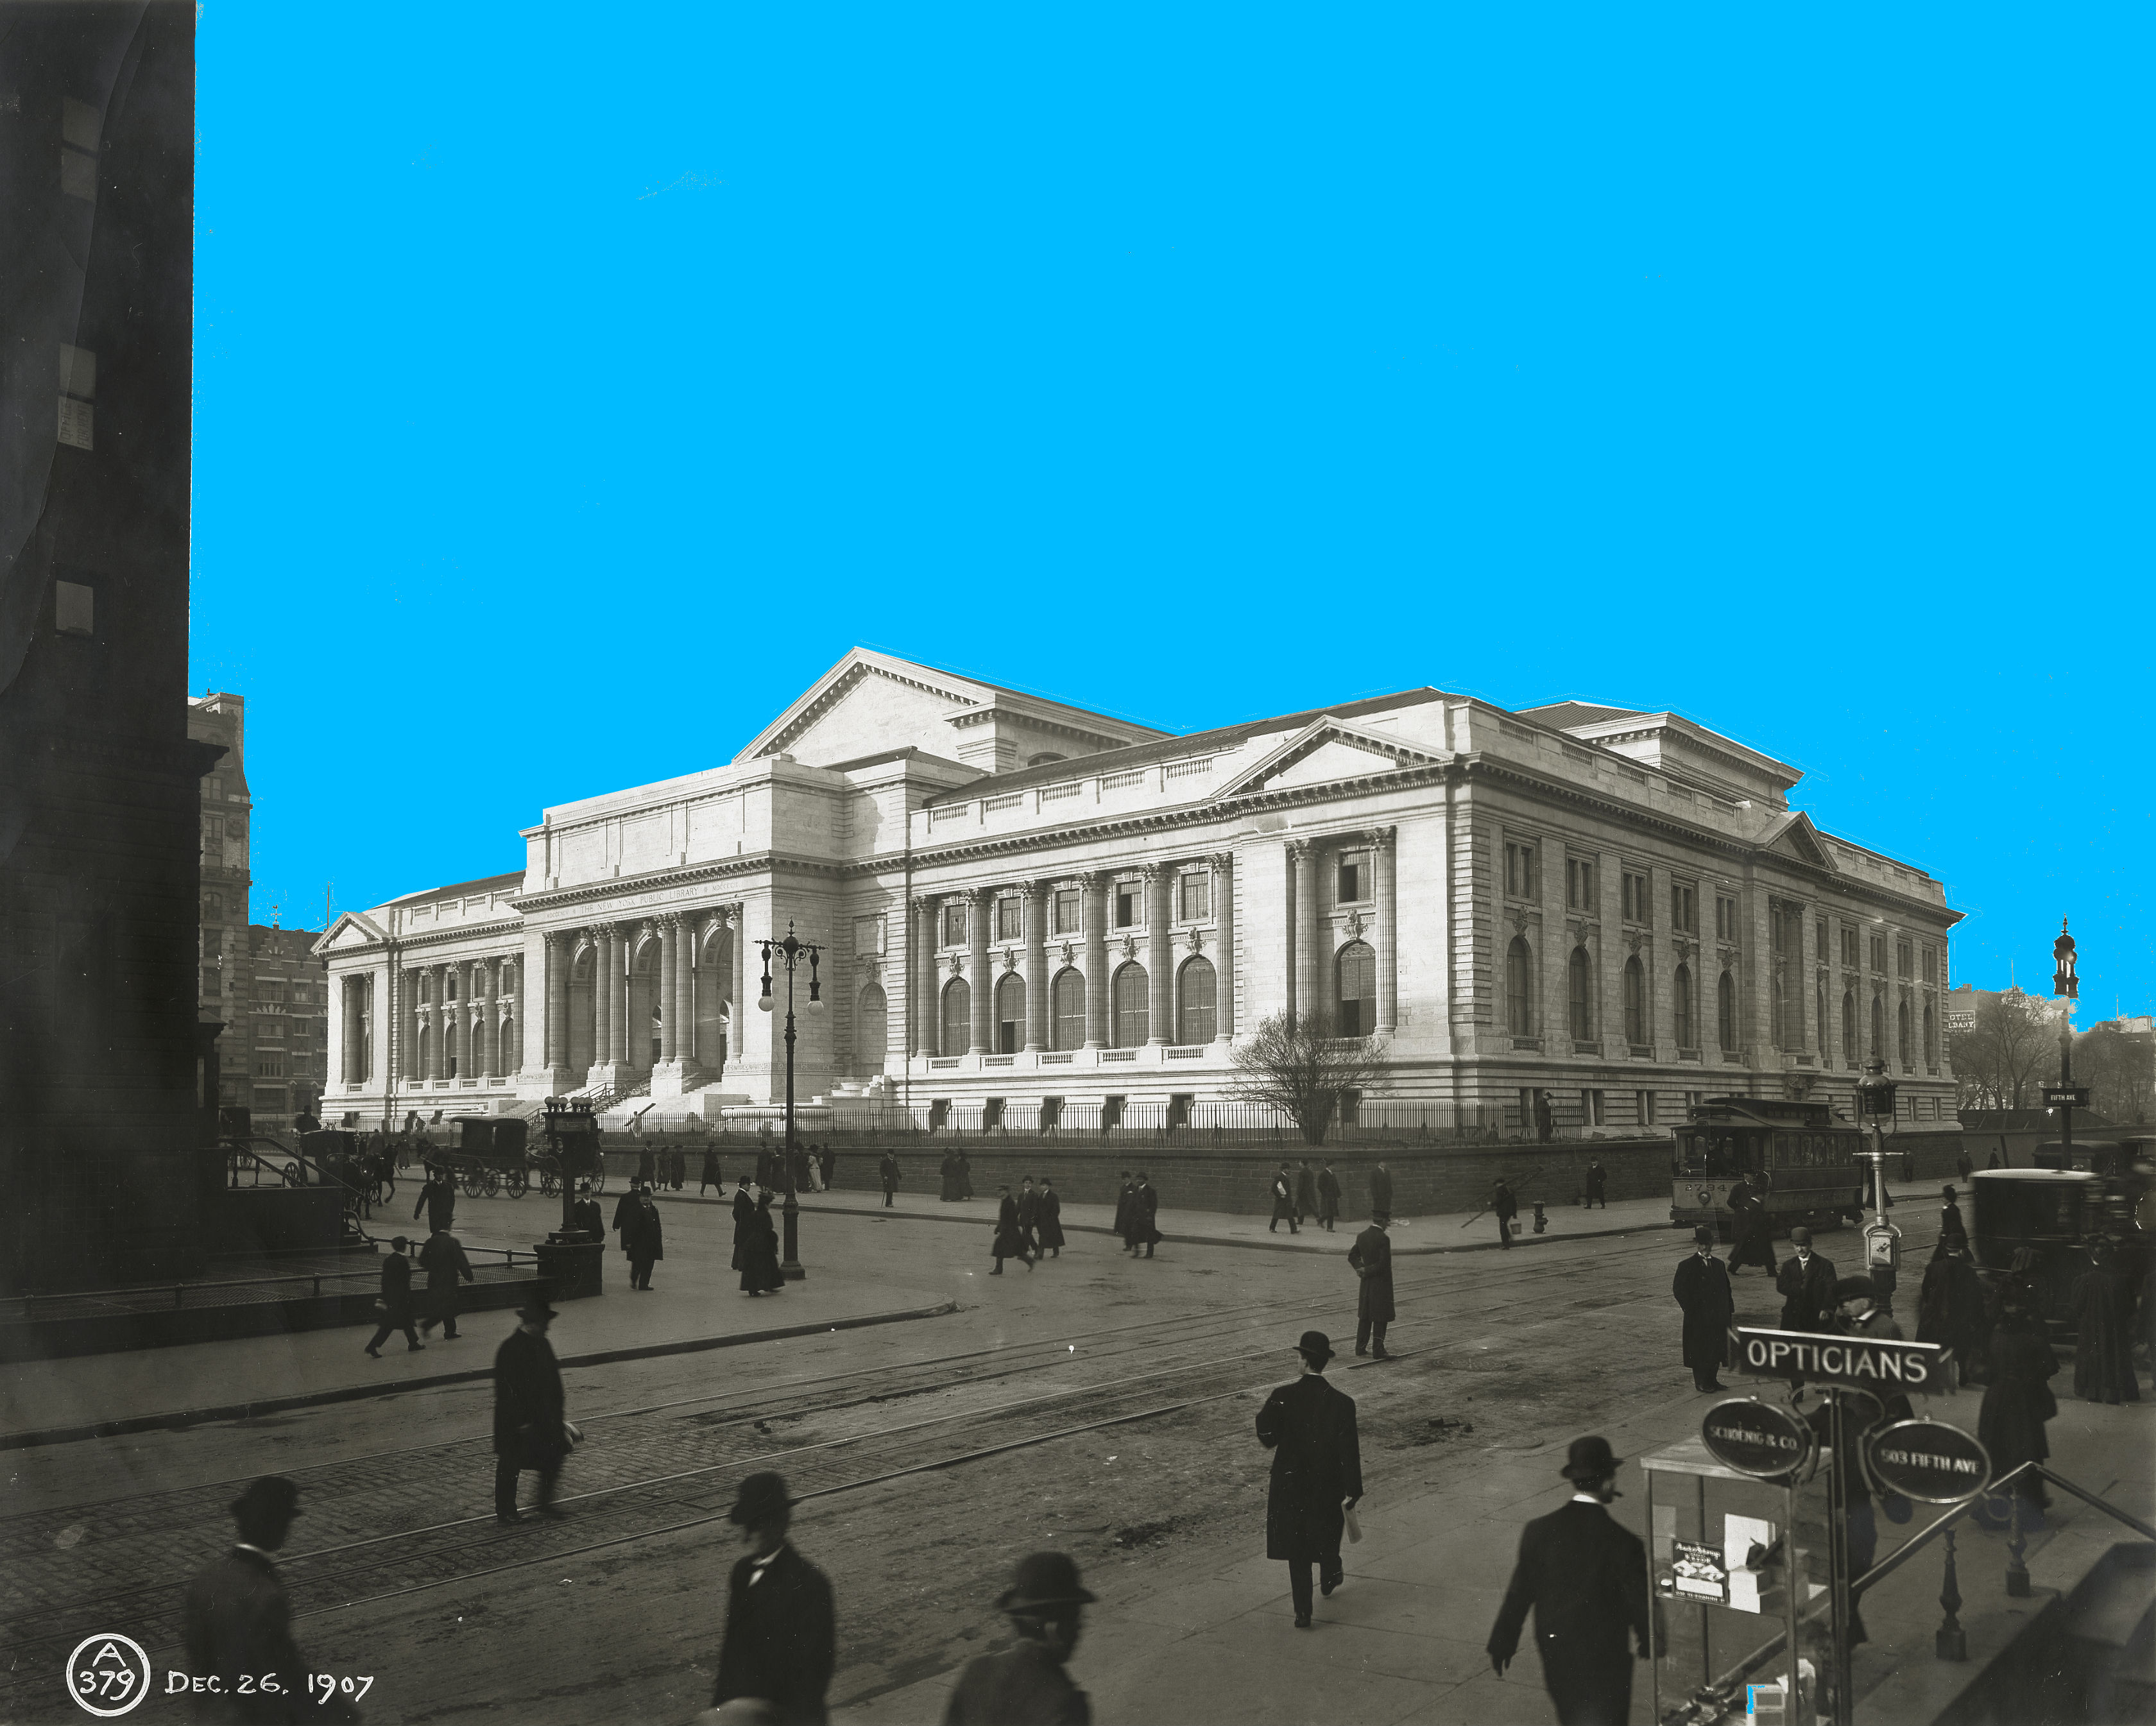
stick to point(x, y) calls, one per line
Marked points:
point(676, 1078)
point(572, 1265)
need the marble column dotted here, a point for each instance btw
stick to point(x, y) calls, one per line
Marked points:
point(602, 964)
point(670, 956)
point(1223, 951)
point(348, 1026)
point(437, 1061)
point(559, 950)
point(738, 1008)
point(488, 1059)
point(920, 972)
point(624, 937)
point(1096, 960)
point(684, 1005)
point(978, 905)
point(1160, 962)
point(1034, 898)
point(1388, 943)
point(409, 1065)
point(1303, 864)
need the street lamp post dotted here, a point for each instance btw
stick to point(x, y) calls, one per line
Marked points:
point(790, 953)
point(1882, 1240)
point(2066, 1097)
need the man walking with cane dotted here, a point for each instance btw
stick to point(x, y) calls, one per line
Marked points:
point(1316, 1477)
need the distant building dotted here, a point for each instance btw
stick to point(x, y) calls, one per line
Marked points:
point(1962, 1005)
point(261, 985)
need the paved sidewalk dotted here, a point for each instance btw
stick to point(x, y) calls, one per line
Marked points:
point(696, 1303)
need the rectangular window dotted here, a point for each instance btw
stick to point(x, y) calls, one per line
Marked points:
point(1848, 948)
point(1070, 908)
point(1578, 884)
point(269, 1068)
point(1931, 965)
point(1010, 919)
point(954, 923)
point(1684, 907)
point(303, 991)
point(212, 830)
point(1637, 908)
point(1354, 883)
point(1905, 961)
point(1818, 941)
point(1130, 903)
point(868, 935)
point(1879, 955)
point(212, 981)
point(1725, 917)
point(1591, 1106)
point(1197, 891)
point(1523, 870)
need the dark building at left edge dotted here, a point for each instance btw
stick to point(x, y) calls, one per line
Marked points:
point(106, 1083)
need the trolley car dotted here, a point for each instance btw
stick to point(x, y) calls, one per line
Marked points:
point(1804, 1163)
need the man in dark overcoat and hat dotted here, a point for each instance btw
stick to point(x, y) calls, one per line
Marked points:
point(1051, 1218)
point(1381, 1188)
point(529, 1428)
point(625, 1208)
point(236, 1620)
point(1585, 1577)
point(1283, 1197)
point(1026, 1685)
point(1010, 1237)
point(395, 1301)
point(1505, 1207)
point(643, 1239)
point(781, 1640)
point(1805, 1283)
point(1317, 1472)
point(1123, 1208)
point(1597, 1185)
point(1701, 1288)
point(1753, 1228)
point(1953, 1307)
point(1305, 1192)
point(438, 1198)
point(1370, 1258)
point(1145, 1208)
point(888, 1169)
point(444, 1260)
point(586, 1214)
point(1328, 1196)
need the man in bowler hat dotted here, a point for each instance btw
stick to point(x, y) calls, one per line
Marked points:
point(1026, 1685)
point(1317, 1472)
point(781, 1635)
point(1805, 1283)
point(1586, 1578)
point(529, 1429)
point(1701, 1288)
point(1370, 1258)
point(236, 1618)
point(395, 1301)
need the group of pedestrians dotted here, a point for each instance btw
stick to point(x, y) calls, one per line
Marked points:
point(1029, 1223)
point(1303, 1195)
point(1137, 1213)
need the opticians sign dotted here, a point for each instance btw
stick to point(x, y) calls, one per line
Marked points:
point(1870, 1363)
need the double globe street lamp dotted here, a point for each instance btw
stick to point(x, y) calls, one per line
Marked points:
point(790, 953)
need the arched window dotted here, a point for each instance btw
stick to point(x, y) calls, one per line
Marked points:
point(1010, 1013)
point(1904, 1046)
point(420, 1069)
point(957, 1017)
point(1636, 1002)
point(1197, 991)
point(511, 1058)
point(453, 1045)
point(1126, 1000)
point(1725, 1012)
point(1043, 759)
point(1519, 988)
point(1066, 1006)
point(1878, 1027)
point(1680, 998)
point(1849, 1026)
point(1579, 979)
point(1355, 971)
point(871, 1031)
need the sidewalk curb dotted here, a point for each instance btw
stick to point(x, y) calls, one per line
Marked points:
point(180, 1420)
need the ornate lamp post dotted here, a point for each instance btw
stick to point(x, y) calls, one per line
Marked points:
point(2066, 1097)
point(1882, 1240)
point(790, 953)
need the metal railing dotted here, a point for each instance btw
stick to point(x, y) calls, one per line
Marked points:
point(136, 1292)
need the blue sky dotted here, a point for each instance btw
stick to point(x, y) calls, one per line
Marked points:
point(573, 387)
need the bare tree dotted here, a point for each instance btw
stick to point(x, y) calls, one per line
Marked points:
point(2012, 1046)
point(1301, 1066)
point(2119, 1068)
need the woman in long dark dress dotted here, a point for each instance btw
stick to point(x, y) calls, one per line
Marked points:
point(760, 1273)
point(2016, 1404)
point(2101, 1299)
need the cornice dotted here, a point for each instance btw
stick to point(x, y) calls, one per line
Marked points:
point(727, 868)
point(437, 938)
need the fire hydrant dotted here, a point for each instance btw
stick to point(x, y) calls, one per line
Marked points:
point(1542, 1221)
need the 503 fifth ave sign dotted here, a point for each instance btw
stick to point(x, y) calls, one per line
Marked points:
point(1869, 1362)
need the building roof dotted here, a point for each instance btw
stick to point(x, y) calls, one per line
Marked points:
point(1561, 714)
point(464, 889)
point(1172, 748)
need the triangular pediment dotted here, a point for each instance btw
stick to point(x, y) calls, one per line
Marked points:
point(1795, 836)
point(1325, 752)
point(351, 929)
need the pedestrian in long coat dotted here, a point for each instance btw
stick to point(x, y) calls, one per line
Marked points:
point(2102, 1300)
point(965, 1176)
point(586, 1214)
point(1328, 1195)
point(1545, 1119)
point(1702, 1288)
point(680, 1159)
point(1010, 1235)
point(1585, 1577)
point(781, 1641)
point(1370, 1258)
point(1316, 1474)
point(1381, 1188)
point(1597, 1185)
point(529, 1429)
point(1029, 1216)
point(888, 1169)
point(1305, 1192)
point(2017, 1402)
point(1753, 1231)
point(438, 1198)
point(647, 1165)
point(760, 1272)
point(1952, 1308)
point(1123, 1206)
point(443, 1259)
point(1145, 1207)
point(1051, 1218)
point(642, 1240)
point(745, 1224)
point(1962, 1165)
point(711, 1176)
point(625, 1208)
point(1283, 1197)
point(950, 1177)
point(1950, 1222)
point(1025, 1684)
point(827, 1165)
point(1504, 1207)
point(395, 1301)
point(1805, 1283)
point(236, 1620)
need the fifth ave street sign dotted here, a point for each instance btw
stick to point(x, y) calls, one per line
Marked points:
point(1869, 1362)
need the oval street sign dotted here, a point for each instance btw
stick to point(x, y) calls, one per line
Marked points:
point(1927, 1461)
point(1761, 1439)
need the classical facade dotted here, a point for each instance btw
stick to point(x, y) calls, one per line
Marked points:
point(1033, 914)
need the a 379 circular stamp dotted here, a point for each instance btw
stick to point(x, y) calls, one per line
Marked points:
point(108, 1674)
